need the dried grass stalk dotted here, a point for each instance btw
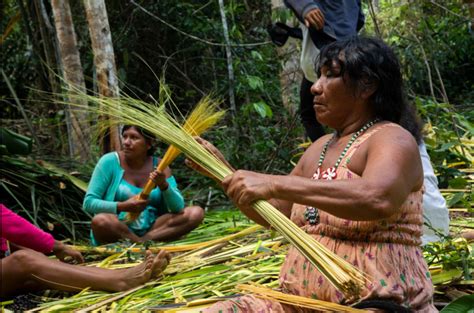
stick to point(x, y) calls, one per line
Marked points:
point(204, 116)
point(270, 294)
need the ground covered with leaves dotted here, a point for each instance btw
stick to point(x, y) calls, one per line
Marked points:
point(212, 262)
point(226, 251)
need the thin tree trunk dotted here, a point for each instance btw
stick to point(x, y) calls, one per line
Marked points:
point(78, 124)
point(373, 9)
point(48, 48)
point(37, 55)
point(230, 67)
point(428, 68)
point(290, 75)
point(22, 110)
point(470, 6)
point(104, 61)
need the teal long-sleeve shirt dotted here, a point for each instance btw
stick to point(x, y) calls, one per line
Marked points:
point(105, 181)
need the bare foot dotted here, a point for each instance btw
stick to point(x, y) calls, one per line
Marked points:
point(160, 262)
point(137, 275)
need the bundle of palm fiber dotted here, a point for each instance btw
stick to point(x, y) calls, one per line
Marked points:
point(294, 300)
point(342, 275)
point(204, 116)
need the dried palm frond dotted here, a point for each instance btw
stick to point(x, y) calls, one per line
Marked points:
point(173, 248)
point(270, 294)
point(342, 275)
point(203, 117)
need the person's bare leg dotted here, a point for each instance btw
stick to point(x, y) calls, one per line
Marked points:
point(30, 268)
point(172, 226)
point(108, 228)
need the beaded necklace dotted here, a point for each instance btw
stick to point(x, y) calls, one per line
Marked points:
point(311, 214)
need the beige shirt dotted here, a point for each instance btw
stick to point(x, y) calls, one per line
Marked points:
point(309, 53)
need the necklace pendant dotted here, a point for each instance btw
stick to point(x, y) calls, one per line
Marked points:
point(330, 173)
point(311, 215)
point(317, 174)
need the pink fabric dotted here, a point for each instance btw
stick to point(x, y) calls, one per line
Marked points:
point(16, 229)
point(387, 250)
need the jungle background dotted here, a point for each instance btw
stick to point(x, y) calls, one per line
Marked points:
point(195, 48)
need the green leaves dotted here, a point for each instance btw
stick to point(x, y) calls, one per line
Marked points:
point(458, 183)
point(464, 304)
point(254, 82)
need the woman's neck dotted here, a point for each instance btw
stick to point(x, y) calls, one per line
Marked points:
point(353, 125)
point(135, 163)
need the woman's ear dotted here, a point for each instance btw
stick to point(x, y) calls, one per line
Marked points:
point(368, 89)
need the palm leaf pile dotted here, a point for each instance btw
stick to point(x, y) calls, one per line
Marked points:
point(210, 270)
point(247, 262)
point(228, 251)
point(47, 196)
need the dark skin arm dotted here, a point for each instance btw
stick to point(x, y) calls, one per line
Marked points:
point(60, 250)
point(390, 172)
point(282, 205)
point(63, 251)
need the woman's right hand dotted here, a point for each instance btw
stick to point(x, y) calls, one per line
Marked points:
point(63, 251)
point(133, 204)
point(213, 150)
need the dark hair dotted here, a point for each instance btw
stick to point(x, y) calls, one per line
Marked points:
point(370, 62)
point(149, 137)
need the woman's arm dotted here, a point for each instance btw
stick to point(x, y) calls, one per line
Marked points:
point(100, 181)
point(391, 171)
point(172, 197)
point(22, 233)
point(302, 169)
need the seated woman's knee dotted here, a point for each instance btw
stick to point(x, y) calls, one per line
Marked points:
point(102, 221)
point(195, 215)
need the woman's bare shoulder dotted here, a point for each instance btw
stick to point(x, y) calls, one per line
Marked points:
point(394, 136)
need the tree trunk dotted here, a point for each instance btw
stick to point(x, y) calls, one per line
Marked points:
point(230, 67)
point(290, 75)
point(470, 6)
point(107, 80)
point(47, 45)
point(78, 124)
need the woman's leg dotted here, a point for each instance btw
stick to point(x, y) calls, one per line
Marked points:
point(26, 268)
point(172, 226)
point(108, 228)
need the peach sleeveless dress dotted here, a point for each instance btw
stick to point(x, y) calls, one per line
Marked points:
point(387, 250)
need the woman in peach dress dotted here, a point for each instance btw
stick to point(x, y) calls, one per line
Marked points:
point(358, 191)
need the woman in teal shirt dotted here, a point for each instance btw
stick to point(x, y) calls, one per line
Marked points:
point(118, 177)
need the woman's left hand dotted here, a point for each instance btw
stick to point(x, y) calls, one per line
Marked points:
point(63, 251)
point(159, 178)
point(245, 187)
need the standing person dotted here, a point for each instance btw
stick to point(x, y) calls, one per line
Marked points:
point(357, 191)
point(112, 194)
point(322, 22)
point(28, 269)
